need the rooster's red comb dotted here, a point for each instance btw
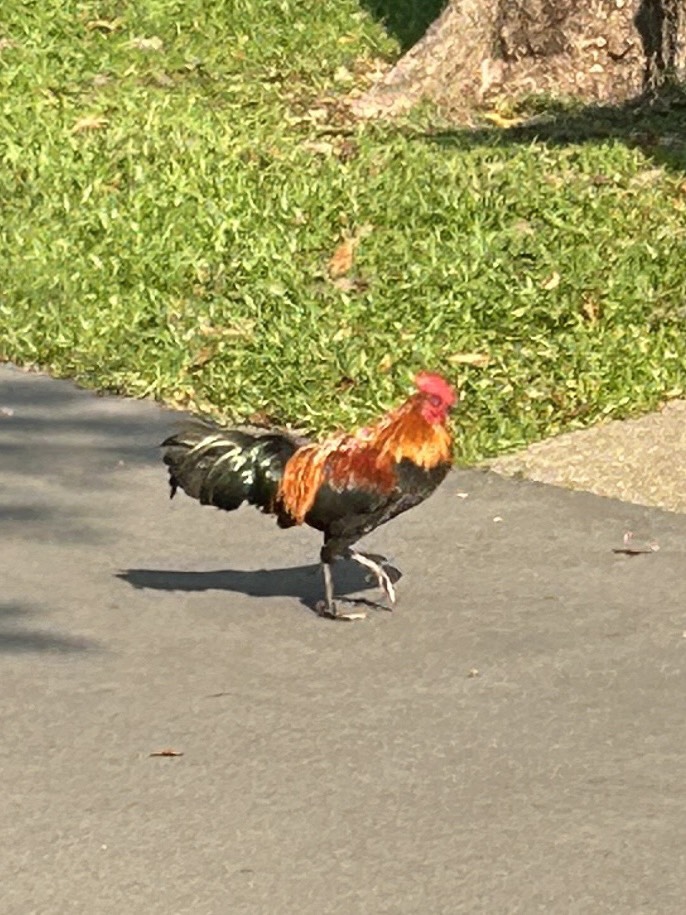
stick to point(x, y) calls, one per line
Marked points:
point(429, 383)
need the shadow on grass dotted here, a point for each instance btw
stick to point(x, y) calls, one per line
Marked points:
point(405, 20)
point(18, 639)
point(302, 582)
point(656, 127)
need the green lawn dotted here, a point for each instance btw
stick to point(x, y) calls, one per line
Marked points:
point(173, 187)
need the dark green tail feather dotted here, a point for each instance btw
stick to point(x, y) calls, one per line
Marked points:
point(226, 467)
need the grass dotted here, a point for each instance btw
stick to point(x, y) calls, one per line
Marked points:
point(173, 188)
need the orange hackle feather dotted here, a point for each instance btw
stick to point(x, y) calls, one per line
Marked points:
point(405, 433)
point(366, 459)
point(303, 475)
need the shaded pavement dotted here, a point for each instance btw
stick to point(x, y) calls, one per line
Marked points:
point(510, 740)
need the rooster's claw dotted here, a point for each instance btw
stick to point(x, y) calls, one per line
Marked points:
point(334, 613)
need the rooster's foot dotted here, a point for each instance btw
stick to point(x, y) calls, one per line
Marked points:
point(328, 608)
point(379, 571)
point(334, 612)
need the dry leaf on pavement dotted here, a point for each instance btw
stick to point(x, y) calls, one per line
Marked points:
point(634, 548)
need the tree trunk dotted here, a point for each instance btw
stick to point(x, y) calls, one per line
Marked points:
point(478, 50)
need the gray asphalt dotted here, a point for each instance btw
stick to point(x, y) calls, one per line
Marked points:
point(510, 740)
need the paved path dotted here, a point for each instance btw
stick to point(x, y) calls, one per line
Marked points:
point(511, 740)
point(641, 460)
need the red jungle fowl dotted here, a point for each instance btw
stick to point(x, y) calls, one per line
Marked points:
point(345, 486)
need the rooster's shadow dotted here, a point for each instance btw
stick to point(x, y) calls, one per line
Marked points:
point(301, 582)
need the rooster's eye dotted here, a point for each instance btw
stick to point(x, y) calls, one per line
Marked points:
point(435, 400)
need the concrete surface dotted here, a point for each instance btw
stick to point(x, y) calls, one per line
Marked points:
point(510, 740)
point(639, 460)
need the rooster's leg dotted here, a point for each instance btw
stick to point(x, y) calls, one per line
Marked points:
point(381, 574)
point(329, 608)
point(328, 588)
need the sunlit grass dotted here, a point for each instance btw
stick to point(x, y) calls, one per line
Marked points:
point(170, 203)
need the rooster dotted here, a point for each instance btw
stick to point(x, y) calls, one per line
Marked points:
point(345, 486)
